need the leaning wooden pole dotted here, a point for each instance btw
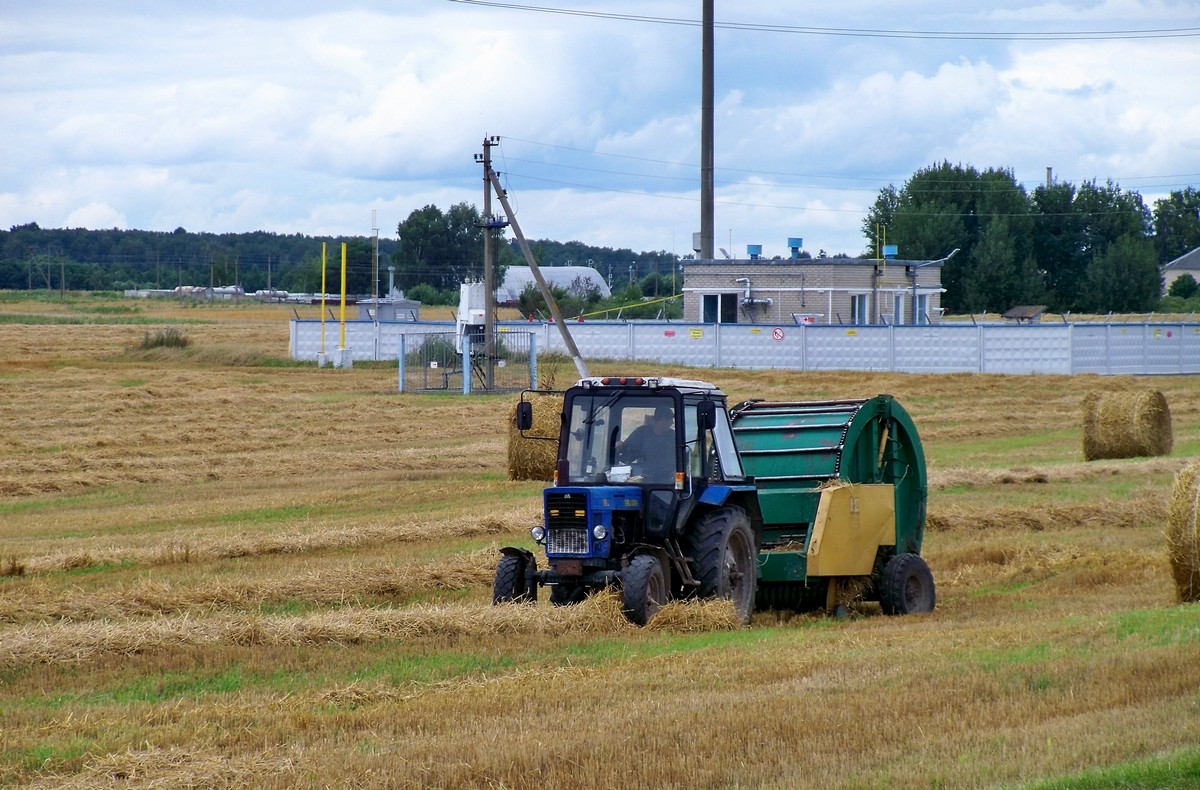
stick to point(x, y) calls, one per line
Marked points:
point(580, 365)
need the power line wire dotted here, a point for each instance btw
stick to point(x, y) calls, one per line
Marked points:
point(944, 35)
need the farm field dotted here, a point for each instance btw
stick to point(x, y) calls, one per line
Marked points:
point(220, 568)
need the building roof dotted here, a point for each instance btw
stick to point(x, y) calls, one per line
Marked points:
point(1189, 261)
point(783, 262)
point(1024, 314)
point(517, 277)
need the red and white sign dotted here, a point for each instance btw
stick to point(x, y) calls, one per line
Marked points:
point(777, 333)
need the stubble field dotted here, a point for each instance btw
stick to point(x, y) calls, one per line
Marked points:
point(222, 569)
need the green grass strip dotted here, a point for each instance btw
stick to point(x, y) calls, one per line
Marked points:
point(1174, 771)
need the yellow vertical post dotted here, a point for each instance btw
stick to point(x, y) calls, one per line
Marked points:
point(322, 298)
point(342, 315)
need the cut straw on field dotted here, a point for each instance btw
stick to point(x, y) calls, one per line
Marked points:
point(1147, 507)
point(72, 643)
point(346, 586)
point(203, 548)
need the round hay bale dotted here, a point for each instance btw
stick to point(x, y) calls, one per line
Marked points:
point(1183, 539)
point(533, 456)
point(1126, 425)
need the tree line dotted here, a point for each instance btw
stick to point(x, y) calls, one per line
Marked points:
point(1087, 248)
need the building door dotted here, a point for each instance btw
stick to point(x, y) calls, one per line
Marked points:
point(922, 308)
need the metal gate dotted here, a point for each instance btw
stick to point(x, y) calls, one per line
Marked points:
point(449, 362)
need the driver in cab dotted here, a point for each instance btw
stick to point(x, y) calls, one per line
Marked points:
point(650, 449)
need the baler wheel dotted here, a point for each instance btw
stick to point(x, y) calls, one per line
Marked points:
point(906, 586)
point(509, 584)
point(724, 555)
point(644, 590)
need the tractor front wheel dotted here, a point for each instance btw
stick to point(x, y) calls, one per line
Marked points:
point(906, 586)
point(644, 589)
point(509, 584)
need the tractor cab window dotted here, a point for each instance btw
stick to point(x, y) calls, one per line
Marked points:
point(711, 453)
point(617, 438)
point(726, 450)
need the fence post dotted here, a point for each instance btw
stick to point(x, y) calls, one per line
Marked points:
point(466, 362)
point(400, 364)
point(532, 361)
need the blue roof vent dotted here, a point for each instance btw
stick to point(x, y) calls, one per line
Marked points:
point(794, 244)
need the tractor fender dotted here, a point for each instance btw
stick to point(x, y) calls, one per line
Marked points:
point(513, 551)
point(744, 496)
point(532, 577)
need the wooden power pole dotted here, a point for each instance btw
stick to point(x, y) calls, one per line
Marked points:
point(707, 198)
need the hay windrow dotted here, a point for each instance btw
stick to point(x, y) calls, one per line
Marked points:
point(1183, 534)
point(347, 586)
point(312, 539)
point(1126, 425)
point(1148, 507)
point(533, 456)
point(600, 614)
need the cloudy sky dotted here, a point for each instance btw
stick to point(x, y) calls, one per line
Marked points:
point(296, 116)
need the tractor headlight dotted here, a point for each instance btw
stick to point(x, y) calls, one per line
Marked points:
point(538, 534)
point(599, 532)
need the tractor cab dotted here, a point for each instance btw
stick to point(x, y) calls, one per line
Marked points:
point(655, 433)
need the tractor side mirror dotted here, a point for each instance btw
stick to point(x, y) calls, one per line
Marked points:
point(524, 415)
point(706, 415)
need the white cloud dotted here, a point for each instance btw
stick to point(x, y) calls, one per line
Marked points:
point(292, 117)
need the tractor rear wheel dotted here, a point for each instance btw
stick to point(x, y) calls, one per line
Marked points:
point(906, 586)
point(724, 554)
point(644, 589)
point(509, 584)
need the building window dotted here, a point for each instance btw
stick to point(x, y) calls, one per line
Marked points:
point(859, 310)
point(719, 308)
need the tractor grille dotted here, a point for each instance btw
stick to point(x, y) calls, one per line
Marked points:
point(566, 510)
point(567, 541)
point(566, 523)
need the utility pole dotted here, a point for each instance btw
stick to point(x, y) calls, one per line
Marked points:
point(375, 264)
point(707, 199)
point(489, 276)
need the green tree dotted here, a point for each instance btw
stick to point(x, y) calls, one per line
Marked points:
point(427, 294)
point(1184, 286)
point(446, 249)
point(1177, 224)
point(1125, 278)
point(570, 304)
point(950, 206)
point(1058, 241)
point(1075, 229)
point(1000, 279)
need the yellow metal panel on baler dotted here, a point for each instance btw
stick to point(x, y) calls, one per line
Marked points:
point(853, 520)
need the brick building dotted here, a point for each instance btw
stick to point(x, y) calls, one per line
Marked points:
point(815, 291)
